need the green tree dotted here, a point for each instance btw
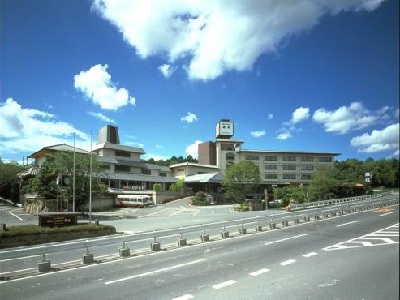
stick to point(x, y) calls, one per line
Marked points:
point(157, 187)
point(177, 186)
point(9, 181)
point(47, 184)
point(240, 180)
point(323, 185)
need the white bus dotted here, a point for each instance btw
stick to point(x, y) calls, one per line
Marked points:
point(133, 201)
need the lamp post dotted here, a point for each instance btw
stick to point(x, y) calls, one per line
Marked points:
point(73, 181)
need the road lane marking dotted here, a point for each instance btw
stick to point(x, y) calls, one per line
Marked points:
point(259, 272)
point(388, 213)
point(348, 223)
point(288, 262)
point(155, 271)
point(184, 297)
point(382, 210)
point(223, 284)
point(14, 215)
point(310, 254)
point(285, 239)
point(376, 238)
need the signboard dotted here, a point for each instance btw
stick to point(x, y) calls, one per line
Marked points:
point(58, 219)
point(368, 177)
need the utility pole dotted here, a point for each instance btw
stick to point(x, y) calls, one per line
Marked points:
point(73, 181)
point(90, 181)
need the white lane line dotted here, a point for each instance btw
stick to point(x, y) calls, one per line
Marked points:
point(223, 284)
point(155, 272)
point(288, 262)
point(259, 272)
point(14, 215)
point(18, 271)
point(184, 297)
point(281, 240)
point(348, 223)
point(310, 254)
point(388, 213)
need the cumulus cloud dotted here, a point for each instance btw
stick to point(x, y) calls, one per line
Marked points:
point(101, 117)
point(167, 70)
point(97, 86)
point(257, 134)
point(189, 118)
point(192, 149)
point(284, 135)
point(300, 114)
point(378, 140)
point(270, 116)
point(27, 130)
point(211, 37)
point(348, 118)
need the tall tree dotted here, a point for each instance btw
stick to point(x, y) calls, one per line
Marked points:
point(9, 183)
point(50, 182)
point(240, 180)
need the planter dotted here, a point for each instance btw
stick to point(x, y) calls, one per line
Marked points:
point(242, 230)
point(272, 225)
point(224, 234)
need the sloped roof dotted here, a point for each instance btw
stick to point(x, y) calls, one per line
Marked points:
point(205, 178)
point(58, 147)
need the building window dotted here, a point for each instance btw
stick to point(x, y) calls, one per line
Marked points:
point(271, 158)
point(163, 174)
point(146, 172)
point(289, 176)
point(181, 170)
point(227, 147)
point(289, 158)
point(122, 153)
point(271, 167)
point(106, 167)
point(271, 176)
point(307, 167)
point(288, 167)
point(252, 157)
point(306, 176)
point(230, 156)
point(122, 169)
point(325, 159)
point(307, 158)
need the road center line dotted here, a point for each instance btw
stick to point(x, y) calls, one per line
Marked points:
point(288, 262)
point(223, 284)
point(348, 223)
point(259, 272)
point(184, 297)
point(14, 215)
point(310, 254)
point(155, 272)
point(388, 213)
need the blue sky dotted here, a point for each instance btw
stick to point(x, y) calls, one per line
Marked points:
point(313, 75)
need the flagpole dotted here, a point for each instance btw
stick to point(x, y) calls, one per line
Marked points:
point(73, 181)
point(90, 181)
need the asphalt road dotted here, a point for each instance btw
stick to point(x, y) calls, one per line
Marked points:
point(354, 256)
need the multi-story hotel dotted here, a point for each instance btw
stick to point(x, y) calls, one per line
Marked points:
point(276, 167)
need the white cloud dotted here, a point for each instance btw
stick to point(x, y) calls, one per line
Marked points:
point(284, 135)
point(193, 149)
point(300, 114)
point(167, 70)
point(257, 134)
point(189, 118)
point(96, 84)
point(379, 140)
point(348, 118)
point(29, 130)
point(270, 116)
point(210, 38)
point(101, 117)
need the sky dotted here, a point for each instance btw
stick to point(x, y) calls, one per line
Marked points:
point(310, 75)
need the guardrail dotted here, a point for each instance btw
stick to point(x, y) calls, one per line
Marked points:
point(327, 202)
point(203, 234)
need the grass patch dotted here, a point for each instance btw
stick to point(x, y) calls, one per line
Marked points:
point(18, 230)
